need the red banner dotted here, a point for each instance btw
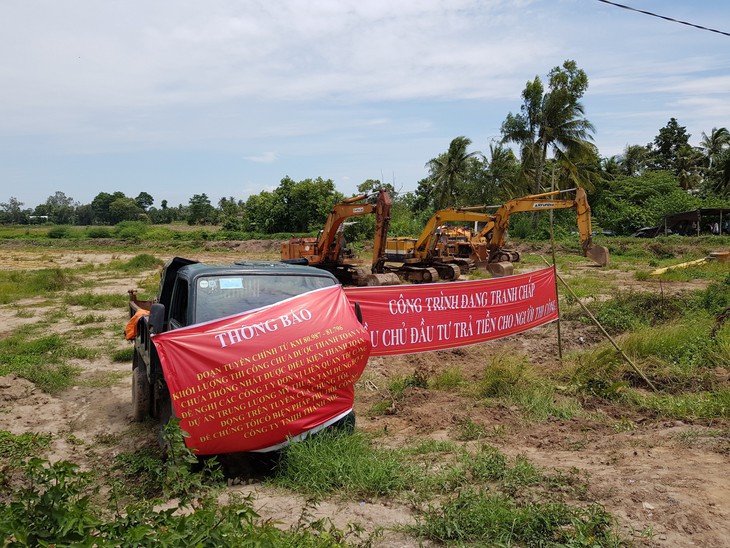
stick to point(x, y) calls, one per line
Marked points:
point(404, 319)
point(252, 381)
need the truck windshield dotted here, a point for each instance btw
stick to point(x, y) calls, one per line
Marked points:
point(221, 296)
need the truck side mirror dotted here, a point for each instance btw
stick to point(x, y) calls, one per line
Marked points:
point(157, 318)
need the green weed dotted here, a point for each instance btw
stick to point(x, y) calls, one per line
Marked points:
point(124, 355)
point(139, 263)
point(337, 461)
point(96, 301)
point(450, 378)
point(55, 507)
point(23, 284)
point(511, 379)
point(42, 360)
point(104, 379)
point(398, 384)
point(89, 318)
point(466, 430)
point(477, 516)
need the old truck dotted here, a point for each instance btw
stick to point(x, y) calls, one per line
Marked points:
point(191, 292)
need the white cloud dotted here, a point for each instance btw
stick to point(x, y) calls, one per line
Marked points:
point(263, 158)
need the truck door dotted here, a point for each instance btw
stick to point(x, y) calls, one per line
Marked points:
point(178, 315)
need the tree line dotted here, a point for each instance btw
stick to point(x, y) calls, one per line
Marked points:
point(547, 145)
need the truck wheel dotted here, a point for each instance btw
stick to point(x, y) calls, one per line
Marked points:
point(141, 391)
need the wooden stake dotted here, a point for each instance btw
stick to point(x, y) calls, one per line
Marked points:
point(595, 320)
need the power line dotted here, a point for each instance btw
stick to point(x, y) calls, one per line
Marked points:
point(664, 17)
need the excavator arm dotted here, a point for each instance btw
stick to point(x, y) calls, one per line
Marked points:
point(494, 233)
point(329, 242)
point(382, 222)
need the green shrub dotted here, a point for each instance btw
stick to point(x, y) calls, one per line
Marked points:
point(59, 232)
point(130, 230)
point(98, 232)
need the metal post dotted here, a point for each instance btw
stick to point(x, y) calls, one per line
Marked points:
point(555, 271)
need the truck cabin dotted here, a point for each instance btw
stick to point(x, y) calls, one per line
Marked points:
point(202, 292)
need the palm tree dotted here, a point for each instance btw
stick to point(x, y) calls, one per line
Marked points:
point(714, 144)
point(688, 166)
point(633, 161)
point(552, 121)
point(564, 130)
point(449, 171)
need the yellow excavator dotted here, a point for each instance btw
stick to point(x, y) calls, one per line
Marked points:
point(330, 252)
point(432, 256)
point(487, 246)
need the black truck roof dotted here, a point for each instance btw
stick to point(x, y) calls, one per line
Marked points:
point(190, 269)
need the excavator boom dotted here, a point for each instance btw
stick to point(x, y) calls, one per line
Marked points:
point(494, 232)
point(327, 251)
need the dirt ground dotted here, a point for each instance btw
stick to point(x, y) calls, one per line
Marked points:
point(663, 490)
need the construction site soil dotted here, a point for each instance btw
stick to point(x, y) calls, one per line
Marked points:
point(647, 476)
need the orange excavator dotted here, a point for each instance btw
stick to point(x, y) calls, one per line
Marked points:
point(432, 256)
point(488, 246)
point(329, 251)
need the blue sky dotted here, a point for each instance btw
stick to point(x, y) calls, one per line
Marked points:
point(183, 97)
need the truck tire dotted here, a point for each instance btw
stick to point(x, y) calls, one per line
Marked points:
point(141, 390)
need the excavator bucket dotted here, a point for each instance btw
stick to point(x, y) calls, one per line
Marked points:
point(598, 254)
point(387, 278)
point(502, 268)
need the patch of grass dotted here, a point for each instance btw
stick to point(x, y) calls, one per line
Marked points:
point(16, 448)
point(142, 471)
point(337, 461)
point(629, 311)
point(511, 379)
point(380, 408)
point(395, 391)
point(398, 384)
point(104, 379)
point(429, 446)
point(139, 263)
point(689, 406)
point(14, 451)
point(450, 378)
point(41, 360)
point(624, 425)
point(676, 357)
point(125, 355)
point(24, 313)
point(466, 430)
point(480, 517)
point(89, 332)
point(89, 318)
point(22, 284)
point(96, 301)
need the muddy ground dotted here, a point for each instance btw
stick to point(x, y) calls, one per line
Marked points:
point(665, 482)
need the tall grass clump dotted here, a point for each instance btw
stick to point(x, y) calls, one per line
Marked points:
point(338, 461)
point(22, 284)
point(480, 517)
point(42, 361)
point(676, 357)
point(140, 263)
point(96, 301)
point(511, 379)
